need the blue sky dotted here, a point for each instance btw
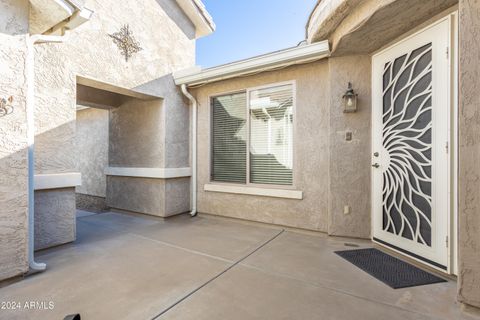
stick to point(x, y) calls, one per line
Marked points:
point(247, 28)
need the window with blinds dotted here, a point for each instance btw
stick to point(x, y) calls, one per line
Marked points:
point(271, 135)
point(229, 138)
point(260, 126)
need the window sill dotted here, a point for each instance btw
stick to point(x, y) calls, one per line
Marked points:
point(255, 191)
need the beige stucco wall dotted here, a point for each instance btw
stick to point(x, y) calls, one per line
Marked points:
point(326, 166)
point(136, 135)
point(138, 138)
point(54, 217)
point(92, 148)
point(13, 139)
point(469, 154)
point(166, 37)
point(311, 152)
point(350, 168)
point(90, 52)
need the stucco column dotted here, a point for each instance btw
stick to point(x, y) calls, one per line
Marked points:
point(469, 154)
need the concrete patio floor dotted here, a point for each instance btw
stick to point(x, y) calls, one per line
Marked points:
point(138, 267)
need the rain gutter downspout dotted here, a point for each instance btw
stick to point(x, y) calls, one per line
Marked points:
point(30, 106)
point(193, 187)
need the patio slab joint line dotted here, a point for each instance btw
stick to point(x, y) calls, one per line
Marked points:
point(171, 245)
point(216, 276)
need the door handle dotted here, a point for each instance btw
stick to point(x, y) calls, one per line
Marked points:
point(375, 165)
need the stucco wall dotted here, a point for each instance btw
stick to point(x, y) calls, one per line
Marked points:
point(90, 52)
point(54, 217)
point(350, 168)
point(136, 135)
point(469, 154)
point(139, 138)
point(311, 152)
point(13, 139)
point(166, 37)
point(92, 148)
point(326, 166)
point(363, 26)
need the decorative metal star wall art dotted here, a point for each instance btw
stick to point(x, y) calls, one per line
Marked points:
point(125, 41)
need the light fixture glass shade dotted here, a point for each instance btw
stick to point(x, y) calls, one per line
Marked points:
point(349, 100)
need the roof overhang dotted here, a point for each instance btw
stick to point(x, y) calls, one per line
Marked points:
point(364, 26)
point(49, 16)
point(279, 59)
point(198, 14)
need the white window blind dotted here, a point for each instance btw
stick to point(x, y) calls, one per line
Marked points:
point(271, 135)
point(229, 138)
point(267, 136)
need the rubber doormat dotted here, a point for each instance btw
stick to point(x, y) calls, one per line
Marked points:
point(390, 270)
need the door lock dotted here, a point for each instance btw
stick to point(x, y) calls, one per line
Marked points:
point(375, 165)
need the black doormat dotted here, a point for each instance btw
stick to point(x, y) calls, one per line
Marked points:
point(390, 270)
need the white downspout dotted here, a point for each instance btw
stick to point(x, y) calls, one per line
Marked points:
point(193, 188)
point(30, 108)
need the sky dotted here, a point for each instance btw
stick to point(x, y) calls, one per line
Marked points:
point(246, 28)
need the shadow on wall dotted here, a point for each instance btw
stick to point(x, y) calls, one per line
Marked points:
point(13, 212)
point(54, 208)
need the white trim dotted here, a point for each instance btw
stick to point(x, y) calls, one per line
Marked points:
point(454, 146)
point(198, 14)
point(278, 59)
point(57, 180)
point(155, 173)
point(253, 191)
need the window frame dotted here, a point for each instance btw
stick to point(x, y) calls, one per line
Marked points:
point(247, 92)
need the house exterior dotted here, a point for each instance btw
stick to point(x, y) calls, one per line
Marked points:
point(278, 138)
point(53, 61)
point(392, 171)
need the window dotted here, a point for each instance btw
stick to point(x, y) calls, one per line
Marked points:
point(252, 136)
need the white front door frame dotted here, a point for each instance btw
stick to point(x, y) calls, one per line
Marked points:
point(443, 35)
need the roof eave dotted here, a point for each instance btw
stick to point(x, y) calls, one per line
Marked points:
point(198, 14)
point(267, 62)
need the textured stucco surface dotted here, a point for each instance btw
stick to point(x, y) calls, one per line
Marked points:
point(13, 139)
point(331, 172)
point(142, 195)
point(136, 135)
point(90, 203)
point(92, 148)
point(361, 27)
point(158, 197)
point(469, 154)
point(350, 168)
point(89, 51)
point(54, 217)
point(150, 134)
point(311, 152)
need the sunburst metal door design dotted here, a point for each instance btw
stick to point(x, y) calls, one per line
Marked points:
point(410, 138)
point(407, 137)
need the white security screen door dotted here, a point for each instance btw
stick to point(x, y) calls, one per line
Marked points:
point(410, 132)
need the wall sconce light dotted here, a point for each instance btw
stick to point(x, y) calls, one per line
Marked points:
point(6, 106)
point(350, 100)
